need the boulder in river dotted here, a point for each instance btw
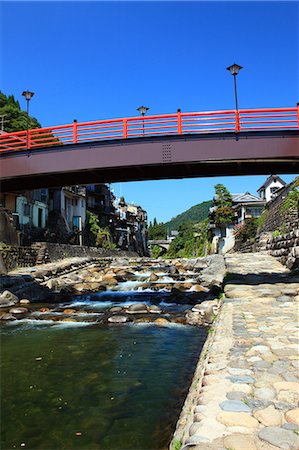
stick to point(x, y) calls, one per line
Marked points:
point(153, 309)
point(69, 311)
point(161, 321)
point(8, 316)
point(153, 277)
point(137, 308)
point(7, 298)
point(115, 309)
point(18, 310)
point(118, 319)
point(24, 301)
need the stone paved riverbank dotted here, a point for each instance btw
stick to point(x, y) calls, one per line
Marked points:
point(245, 392)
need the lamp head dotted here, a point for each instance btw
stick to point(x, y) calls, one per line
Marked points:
point(234, 69)
point(28, 95)
point(142, 110)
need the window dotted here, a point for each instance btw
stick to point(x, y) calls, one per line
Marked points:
point(273, 189)
point(26, 210)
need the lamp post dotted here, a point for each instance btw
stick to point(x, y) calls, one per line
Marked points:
point(142, 110)
point(234, 70)
point(28, 96)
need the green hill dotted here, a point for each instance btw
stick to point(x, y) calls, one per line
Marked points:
point(196, 213)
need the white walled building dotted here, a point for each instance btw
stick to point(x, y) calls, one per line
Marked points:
point(270, 187)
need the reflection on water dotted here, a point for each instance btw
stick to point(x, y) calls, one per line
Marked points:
point(68, 386)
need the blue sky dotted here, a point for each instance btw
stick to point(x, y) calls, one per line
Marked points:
point(94, 60)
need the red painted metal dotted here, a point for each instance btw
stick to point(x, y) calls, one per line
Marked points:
point(154, 125)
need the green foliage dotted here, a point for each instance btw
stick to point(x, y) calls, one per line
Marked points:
point(157, 231)
point(262, 219)
point(15, 119)
point(195, 214)
point(191, 241)
point(247, 230)
point(176, 444)
point(276, 233)
point(223, 201)
point(156, 251)
point(292, 199)
point(95, 235)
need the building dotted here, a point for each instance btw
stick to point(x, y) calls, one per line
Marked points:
point(68, 214)
point(130, 227)
point(272, 184)
point(99, 201)
point(246, 206)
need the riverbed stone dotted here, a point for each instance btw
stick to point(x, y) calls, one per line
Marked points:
point(280, 438)
point(293, 416)
point(240, 379)
point(154, 309)
point(240, 441)
point(237, 419)
point(7, 299)
point(161, 321)
point(270, 417)
point(118, 319)
point(234, 406)
point(265, 393)
point(235, 395)
point(137, 308)
point(24, 301)
point(18, 310)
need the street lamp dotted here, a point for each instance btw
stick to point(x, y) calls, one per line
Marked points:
point(142, 110)
point(28, 96)
point(234, 70)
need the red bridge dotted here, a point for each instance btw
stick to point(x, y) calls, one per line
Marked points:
point(180, 145)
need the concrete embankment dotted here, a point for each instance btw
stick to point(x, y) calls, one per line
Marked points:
point(245, 390)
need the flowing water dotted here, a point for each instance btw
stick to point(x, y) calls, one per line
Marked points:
point(87, 385)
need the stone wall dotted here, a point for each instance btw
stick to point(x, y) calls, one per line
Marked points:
point(284, 247)
point(279, 218)
point(16, 256)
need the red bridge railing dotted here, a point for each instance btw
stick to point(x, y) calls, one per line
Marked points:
point(158, 125)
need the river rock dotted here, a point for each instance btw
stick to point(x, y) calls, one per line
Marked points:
point(193, 318)
point(173, 270)
point(198, 288)
point(237, 419)
point(115, 309)
point(118, 319)
point(8, 316)
point(24, 301)
point(69, 311)
point(154, 309)
point(137, 308)
point(110, 279)
point(292, 416)
point(161, 321)
point(280, 438)
point(7, 298)
point(18, 310)
point(153, 277)
point(269, 417)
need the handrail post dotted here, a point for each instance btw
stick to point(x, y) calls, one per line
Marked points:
point(75, 131)
point(125, 128)
point(237, 119)
point(180, 130)
point(29, 139)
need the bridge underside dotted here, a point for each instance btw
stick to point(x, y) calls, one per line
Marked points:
point(221, 154)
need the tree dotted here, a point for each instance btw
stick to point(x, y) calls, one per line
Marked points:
point(157, 231)
point(223, 202)
point(13, 118)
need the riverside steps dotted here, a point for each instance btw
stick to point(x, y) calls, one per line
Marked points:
point(245, 391)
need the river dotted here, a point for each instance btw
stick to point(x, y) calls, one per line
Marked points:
point(89, 385)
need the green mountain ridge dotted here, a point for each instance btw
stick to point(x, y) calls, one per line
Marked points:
point(196, 213)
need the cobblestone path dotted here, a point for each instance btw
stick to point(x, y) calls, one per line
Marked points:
point(249, 396)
